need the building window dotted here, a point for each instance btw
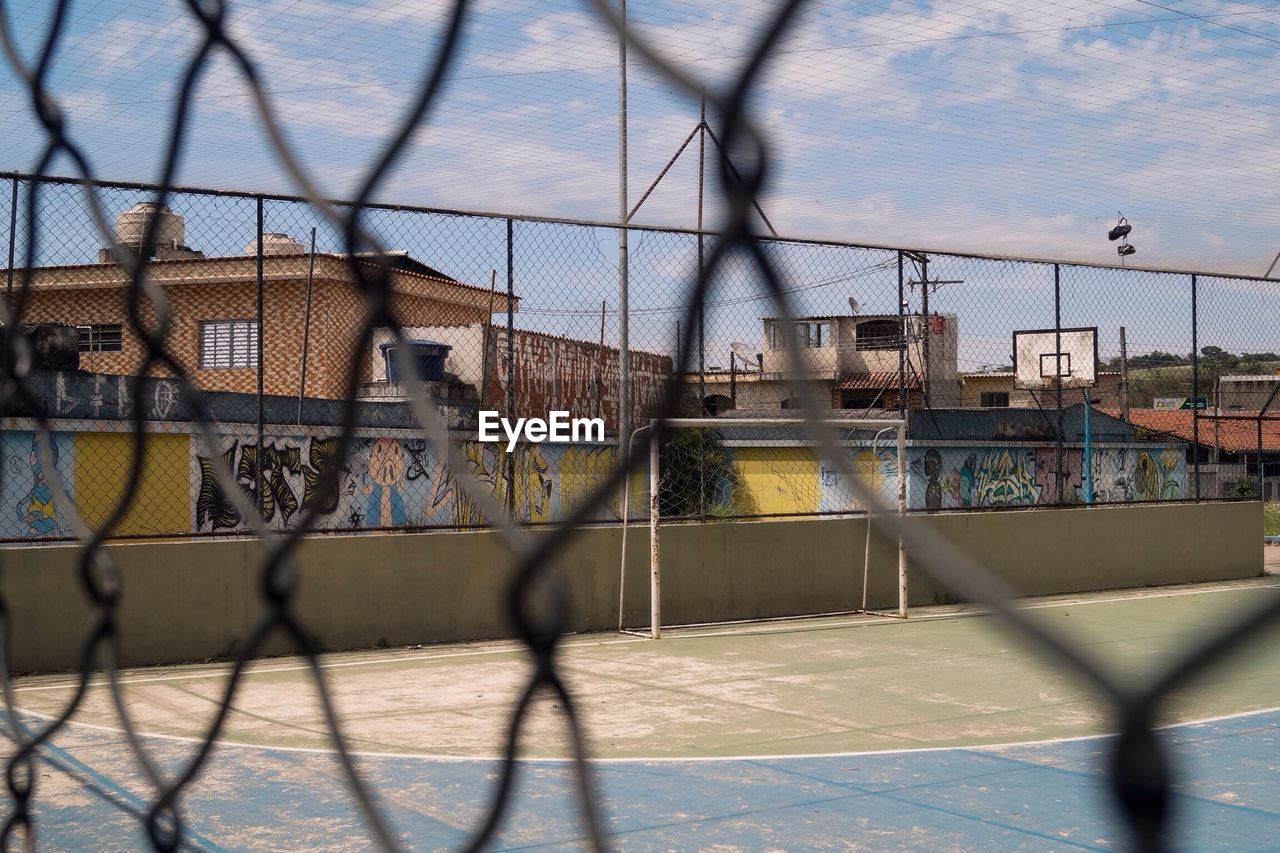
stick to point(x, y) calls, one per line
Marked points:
point(995, 399)
point(808, 334)
point(99, 337)
point(860, 401)
point(877, 335)
point(228, 343)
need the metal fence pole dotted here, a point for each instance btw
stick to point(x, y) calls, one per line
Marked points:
point(902, 345)
point(1195, 385)
point(928, 329)
point(624, 309)
point(261, 418)
point(13, 240)
point(1059, 462)
point(702, 309)
point(511, 371)
point(306, 324)
point(655, 562)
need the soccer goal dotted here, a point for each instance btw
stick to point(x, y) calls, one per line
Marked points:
point(728, 468)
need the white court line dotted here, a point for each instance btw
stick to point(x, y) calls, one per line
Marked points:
point(739, 629)
point(458, 759)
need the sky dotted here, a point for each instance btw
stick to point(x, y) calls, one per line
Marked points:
point(1002, 127)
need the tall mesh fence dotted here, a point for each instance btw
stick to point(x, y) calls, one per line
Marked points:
point(941, 355)
point(216, 374)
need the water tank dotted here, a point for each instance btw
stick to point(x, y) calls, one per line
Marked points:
point(275, 243)
point(131, 225)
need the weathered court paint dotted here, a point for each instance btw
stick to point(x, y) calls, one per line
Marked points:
point(735, 722)
point(1035, 797)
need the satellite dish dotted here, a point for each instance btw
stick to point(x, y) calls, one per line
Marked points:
point(743, 352)
point(853, 305)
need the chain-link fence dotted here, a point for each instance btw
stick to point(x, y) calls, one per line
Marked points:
point(214, 363)
point(1171, 401)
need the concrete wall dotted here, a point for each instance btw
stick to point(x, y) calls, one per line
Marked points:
point(200, 599)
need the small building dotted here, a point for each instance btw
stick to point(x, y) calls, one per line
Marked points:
point(550, 372)
point(995, 390)
point(1248, 392)
point(855, 362)
point(212, 301)
point(1236, 449)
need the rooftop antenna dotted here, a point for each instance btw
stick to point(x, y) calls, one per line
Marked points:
point(854, 306)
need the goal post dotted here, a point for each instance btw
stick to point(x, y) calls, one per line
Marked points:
point(718, 442)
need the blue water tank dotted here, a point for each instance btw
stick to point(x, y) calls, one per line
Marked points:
point(427, 356)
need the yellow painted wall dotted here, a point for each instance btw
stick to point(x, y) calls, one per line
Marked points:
point(163, 501)
point(581, 470)
point(776, 479)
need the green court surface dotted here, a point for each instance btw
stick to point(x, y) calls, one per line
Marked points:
point(948, 676)
point(938, 732)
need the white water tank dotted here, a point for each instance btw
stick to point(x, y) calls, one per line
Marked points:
point(275, 243)
point(131, 225)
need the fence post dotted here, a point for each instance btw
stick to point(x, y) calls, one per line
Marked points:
point(624, 340)
point(702, 303)
point(1195, 385)
point(13, 239)
point(655, 562)
point(1059, 462)
point(928, 329)
point(511, 370)
point(902, 346)
point(258, 463)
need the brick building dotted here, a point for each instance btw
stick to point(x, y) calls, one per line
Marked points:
point(549, 372)
point(213, 310)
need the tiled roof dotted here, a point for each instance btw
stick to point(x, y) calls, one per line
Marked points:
point(1234, 436)
point(885, 379)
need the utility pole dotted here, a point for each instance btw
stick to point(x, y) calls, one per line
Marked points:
point(926, 287)
point(702, 310)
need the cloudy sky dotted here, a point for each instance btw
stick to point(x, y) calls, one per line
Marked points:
point(1003, 126)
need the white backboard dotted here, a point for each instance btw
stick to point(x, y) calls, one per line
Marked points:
point(1038, 362)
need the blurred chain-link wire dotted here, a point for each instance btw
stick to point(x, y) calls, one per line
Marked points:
point(205, 363)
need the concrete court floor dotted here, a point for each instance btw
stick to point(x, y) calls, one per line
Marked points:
point(786, 713)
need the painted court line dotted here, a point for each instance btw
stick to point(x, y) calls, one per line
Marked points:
point(683, 633)
point(703, 759)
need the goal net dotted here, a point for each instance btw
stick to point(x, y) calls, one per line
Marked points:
point(732, 469)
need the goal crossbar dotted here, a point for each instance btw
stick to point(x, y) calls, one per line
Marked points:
point(881, 425)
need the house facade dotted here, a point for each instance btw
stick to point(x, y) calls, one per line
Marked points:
point(851, 361)
point(548, 372)
point(212, 312)
point(996, 390)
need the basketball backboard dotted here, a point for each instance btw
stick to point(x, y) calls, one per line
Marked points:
point(1039, 360)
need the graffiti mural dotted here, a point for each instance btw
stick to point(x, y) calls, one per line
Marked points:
point(1159, 475)
point(877, 469)
point(389, 482)
point(32, 512)
point(1071, 474)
